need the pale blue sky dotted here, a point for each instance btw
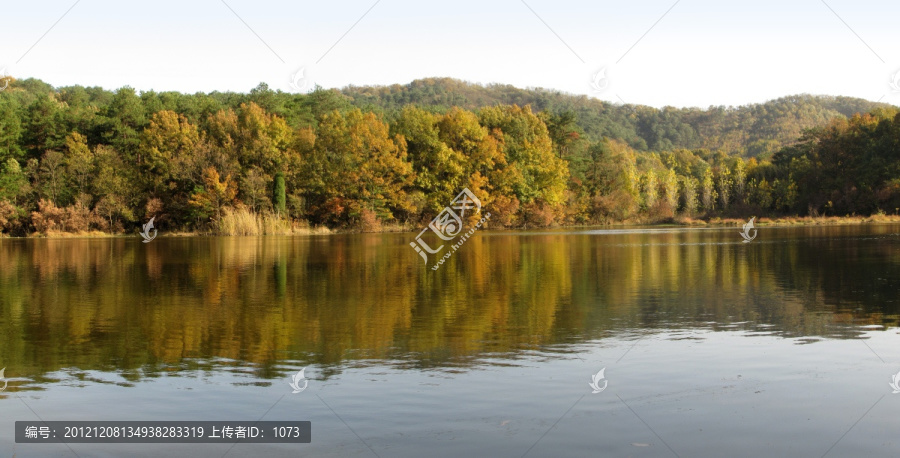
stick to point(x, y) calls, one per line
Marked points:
point(701, 53)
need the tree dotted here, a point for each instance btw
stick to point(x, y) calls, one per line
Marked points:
point(79, 162)
point(252, 140)
point(612, 181)
point(361, 167)
point(168, 146)
point(649, 189)
point(53, 176)
point(724, 184)
point(44, 126)
point(534, 171)
point(688, 194)
point(215, 194)
point(708, 193)
point(280, 197)
point(112, 187)
point(564, 131)
point(256, 188)
point(482, 161)
point(13, 182)
point(740, 179)
point(10, 130)
point(670, 189)
point(260, 138)
point(440, 170)
point(126, 120)
point(760, 193)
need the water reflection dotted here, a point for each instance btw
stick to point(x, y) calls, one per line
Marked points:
point(251, 304)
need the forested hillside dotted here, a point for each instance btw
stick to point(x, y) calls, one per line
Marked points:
point(748, 131)
point(75, 159)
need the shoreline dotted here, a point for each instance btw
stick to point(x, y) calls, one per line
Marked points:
point(686, 222)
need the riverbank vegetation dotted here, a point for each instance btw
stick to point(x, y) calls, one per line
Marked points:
point(76, 159)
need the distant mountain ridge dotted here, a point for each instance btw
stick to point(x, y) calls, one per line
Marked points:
point(748, 130)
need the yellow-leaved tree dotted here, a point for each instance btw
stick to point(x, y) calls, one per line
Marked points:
point(532, 174)
point(359, 168)
point(215, 194)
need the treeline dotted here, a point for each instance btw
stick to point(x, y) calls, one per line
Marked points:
point(846, 167)
point(77, 159)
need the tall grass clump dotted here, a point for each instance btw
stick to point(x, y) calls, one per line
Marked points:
point(243, 221)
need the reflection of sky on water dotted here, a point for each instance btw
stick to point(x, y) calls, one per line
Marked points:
point(703, 392)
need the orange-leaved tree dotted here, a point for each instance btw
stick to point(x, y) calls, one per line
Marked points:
point(215, 194)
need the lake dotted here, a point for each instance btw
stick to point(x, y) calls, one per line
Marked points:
point(708, 346)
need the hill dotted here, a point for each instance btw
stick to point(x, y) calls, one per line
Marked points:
point(749, 130)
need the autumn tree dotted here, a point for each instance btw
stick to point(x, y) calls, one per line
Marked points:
point(708, 193)
point(440, 171)
point(361, 167)
point(669, 185)
point(483, 165)
point(261, 139)
point(688, 185)
point(79, 162)
point(214, 195)
point(254, 189)
point(168, 145)
point(739, 178)
point(532, 170)
point(114, 190)
point(612, 181)
point(649, 189)
point(52, 177)
point(256, 145)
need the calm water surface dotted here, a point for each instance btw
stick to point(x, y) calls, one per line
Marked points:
point(784, 346)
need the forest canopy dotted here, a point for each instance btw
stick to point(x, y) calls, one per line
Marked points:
point(84, 158)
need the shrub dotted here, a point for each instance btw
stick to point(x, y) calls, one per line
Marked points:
point(10, 218)
point(368, 221)
point(74, 218)
point(504, 210)
point(539, 214)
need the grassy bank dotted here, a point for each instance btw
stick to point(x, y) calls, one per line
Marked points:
point(248, 223)
point(790, 220)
